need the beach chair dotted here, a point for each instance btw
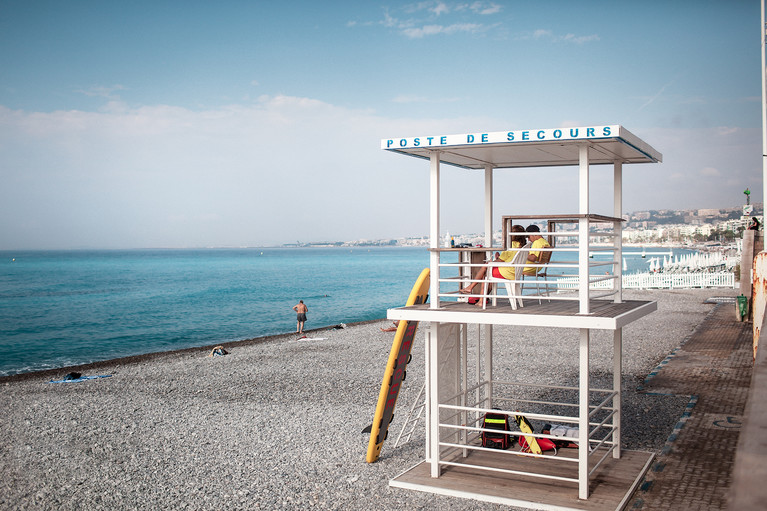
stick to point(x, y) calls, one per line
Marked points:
point(541, 274)
point(513, 287)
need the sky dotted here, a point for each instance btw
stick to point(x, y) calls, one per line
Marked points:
point(143, 124)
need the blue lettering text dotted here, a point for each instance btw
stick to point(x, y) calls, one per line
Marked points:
point(416, 142)
point(484, 137)
point(403, 142)
point(525, 135)
point(443, 140)
point(429, 139)
point(606, 131)
point(589, 132)
point(574, 132)
point(469, 139)
point(541, 135)
point(389, 142)
point(510, 136)
point(557, 133)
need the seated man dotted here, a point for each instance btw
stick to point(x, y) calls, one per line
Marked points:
point(538, 242)
point(502, 272)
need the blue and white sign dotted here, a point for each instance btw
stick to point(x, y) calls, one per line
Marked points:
point(502, 137)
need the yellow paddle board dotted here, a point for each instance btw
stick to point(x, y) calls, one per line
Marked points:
point(395, 370)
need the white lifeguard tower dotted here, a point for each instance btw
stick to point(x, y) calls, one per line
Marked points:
point(596, 475)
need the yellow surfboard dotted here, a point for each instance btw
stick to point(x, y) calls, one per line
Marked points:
point(395, 370)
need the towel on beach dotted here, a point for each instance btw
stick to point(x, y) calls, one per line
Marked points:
point(79, 379)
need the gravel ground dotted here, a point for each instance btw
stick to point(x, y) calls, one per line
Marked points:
point(277, 423)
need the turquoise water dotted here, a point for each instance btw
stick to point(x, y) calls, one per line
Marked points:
point(72, 307)
point(64, 308)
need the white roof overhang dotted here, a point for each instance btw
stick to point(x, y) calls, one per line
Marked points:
point(529, 148)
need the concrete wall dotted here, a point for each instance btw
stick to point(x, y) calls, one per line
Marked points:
point(749, 487)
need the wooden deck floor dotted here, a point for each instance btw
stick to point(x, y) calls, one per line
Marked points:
point(603, 314)
point(610, 489)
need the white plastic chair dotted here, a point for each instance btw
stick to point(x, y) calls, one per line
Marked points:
point(542, 273)
point(513, 287)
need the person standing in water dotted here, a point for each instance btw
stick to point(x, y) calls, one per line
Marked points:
point(301, 310)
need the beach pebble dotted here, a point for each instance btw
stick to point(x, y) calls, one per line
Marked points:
point(276, 423)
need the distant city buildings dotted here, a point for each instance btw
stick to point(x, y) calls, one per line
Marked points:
point(640, 227)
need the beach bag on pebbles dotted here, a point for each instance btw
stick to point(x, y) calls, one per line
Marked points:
point(218, 351)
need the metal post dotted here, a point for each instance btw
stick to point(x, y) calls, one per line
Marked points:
point(583, 416)
point(488, 206)
point(432, 400)
point(427, 391)
point(618, 229)
point(583, 230)
point(434, 229)
point(764, 104)
point(488, 363)
point(464, 344)
point(617, 369)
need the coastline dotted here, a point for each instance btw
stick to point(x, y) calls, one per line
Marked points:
point(100, 365)
point(277, 423)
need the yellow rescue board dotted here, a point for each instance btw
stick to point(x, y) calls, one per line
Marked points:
point(395, 370)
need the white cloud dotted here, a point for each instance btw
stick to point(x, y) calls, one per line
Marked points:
point(286, 168)
point(427, 30)
point(567, 38)
point(440, 8)
point(421, 20)
point(281, 169)
point(486, 9)
point(101, 91)
point(572, 38)
point(409, 98)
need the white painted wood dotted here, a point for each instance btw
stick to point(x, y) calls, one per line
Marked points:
point(618, 228)
point(428, 379)
point(503, 315)
point(583, 229)
point(488, 206)
point(583, 415)
point(449, 318)
point(434, 213)
point(488, 362)
point(530, 148)
point(433, 400)
point(617, 376)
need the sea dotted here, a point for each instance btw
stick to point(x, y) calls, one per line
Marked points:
point(62, 308)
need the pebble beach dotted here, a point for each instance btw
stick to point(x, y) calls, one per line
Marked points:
point(277, 423)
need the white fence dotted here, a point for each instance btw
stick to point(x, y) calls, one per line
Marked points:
point(659, 281)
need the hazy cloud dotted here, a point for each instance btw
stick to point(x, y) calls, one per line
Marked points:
point(100, 91)
point(407, 98)
point(421, 19)
point(285, 168)
point(427, 30)
point(567, 38)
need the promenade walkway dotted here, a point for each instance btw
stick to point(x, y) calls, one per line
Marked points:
point(714, 366)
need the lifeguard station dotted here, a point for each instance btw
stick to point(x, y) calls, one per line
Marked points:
point(597, 474)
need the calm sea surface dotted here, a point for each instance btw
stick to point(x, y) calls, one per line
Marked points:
point(61, 308)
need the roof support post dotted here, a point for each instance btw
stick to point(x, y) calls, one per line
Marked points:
point(618, 229)
point(488, 205)
point(764, 102)
point(583, 229)
point(583, 415)
point(434, 229)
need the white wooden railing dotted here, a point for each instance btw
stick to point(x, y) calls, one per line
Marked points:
point(658, 281)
